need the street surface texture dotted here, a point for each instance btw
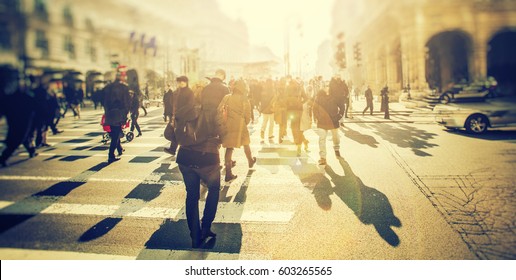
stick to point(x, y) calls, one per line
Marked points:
point(404, 188)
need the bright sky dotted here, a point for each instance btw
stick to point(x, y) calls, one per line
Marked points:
point(266, 20)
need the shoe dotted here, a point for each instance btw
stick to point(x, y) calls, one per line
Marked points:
point(113, 159)
point(44, 145)
point(57, 132)
point(322, 161)
point(230, 177)
point(337, 153)
point(32, 153)
point(207, 234)
point(169, 151)
point(233, 163)
point(251, 164)
point(119, 154)
point(139, 134)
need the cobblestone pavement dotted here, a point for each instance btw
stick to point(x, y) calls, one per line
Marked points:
point(480, 206)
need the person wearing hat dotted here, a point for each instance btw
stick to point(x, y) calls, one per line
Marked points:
point(211, 96)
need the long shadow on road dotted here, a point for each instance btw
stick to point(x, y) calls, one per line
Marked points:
point(405, 136)
point(368, 204)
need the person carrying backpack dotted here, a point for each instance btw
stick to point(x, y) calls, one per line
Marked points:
point(198, 159)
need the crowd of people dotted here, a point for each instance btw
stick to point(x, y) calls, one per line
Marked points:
point(201, 120)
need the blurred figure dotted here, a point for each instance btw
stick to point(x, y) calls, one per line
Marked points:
point(17, 105)
point(385, 102)
point(369, 100)
point(167, 104)
point(237, 114)
point(117, 103)
point(135, 112)
point(267, 110)
point(327, 113)
point(42, 112)
point(295, 98)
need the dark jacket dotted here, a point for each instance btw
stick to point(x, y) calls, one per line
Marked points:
point(117, 103)
point(167, 103)
point(326, 111)
point(211, 96)
point(202, 154)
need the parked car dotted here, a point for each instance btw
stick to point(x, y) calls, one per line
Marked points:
point(477, 117)
point(476, 91)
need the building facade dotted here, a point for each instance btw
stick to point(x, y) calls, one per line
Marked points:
point(425, 44)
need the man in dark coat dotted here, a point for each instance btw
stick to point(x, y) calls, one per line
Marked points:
point(167, 104)
point(369, 100)
point(384, 94)
point(327, 113)
point(17, 104)
point(211, 96)
point(117, 102)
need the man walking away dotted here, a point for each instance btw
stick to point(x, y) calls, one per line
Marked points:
point(369, 100)
point(117, 103)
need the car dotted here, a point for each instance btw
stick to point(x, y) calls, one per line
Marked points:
point(476, 91)
point(478, 117)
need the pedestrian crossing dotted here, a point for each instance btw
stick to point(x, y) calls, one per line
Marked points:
point(86, 214)
point(246, 204)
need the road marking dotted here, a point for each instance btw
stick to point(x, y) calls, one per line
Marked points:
point(227, 212)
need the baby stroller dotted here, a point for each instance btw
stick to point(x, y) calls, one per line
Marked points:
point(129, 136)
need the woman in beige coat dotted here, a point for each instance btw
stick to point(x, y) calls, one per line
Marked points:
point(236, 115)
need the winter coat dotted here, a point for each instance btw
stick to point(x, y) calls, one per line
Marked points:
point(238, 117)
point(327, 112)
point(167, 103)
point(211, 96)
point(117, 103)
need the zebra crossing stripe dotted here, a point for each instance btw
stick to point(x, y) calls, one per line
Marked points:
point(227, 212)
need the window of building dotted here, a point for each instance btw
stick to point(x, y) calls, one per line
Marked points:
point(67, 16)
point(69, 46)
point(42, 42)
point(40, 9)
point(91, 51)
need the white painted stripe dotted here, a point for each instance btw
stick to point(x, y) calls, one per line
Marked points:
point(80, 209)
point(26, 254)
point(4, 204)
point(226, 213)
point(155, 212)
point(267, 216)
point(85, 178)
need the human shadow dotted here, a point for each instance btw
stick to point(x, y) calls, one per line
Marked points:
point(359, 137)
point(172, 239)
point(405, 136)
point(369, 205)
